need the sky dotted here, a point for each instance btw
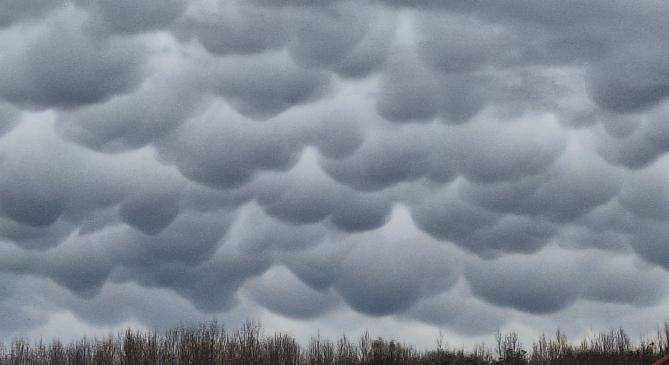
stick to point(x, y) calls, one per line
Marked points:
point(406, 167)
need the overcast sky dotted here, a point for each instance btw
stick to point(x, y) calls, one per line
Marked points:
point(402, 166)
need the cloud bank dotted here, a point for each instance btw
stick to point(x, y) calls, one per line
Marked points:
point(463, 165)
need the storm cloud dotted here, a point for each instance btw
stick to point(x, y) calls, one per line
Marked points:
point(462, 165)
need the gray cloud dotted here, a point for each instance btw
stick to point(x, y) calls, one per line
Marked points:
point(128, 17)
point(16, 316)
point(408, 92)
point(630, 81)
point(133, 120)
point(638, 142)
point(8, 118)
point(263, 86)
point(278, 289)
point(457, 309)
point(553, 280)
point(350, 39)
point(461, 44)
point(459, 164)
point(234, 28)
point(307, 195)
point(61, 67)
point(13, 12)
point(385, 277)
point(411, 92)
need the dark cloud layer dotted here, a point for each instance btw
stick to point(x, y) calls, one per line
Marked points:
point(451, 163)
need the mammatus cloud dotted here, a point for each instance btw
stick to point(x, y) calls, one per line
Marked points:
point(463, 165)
point(60, 67)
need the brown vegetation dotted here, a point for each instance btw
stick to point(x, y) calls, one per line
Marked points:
point(211, 344)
